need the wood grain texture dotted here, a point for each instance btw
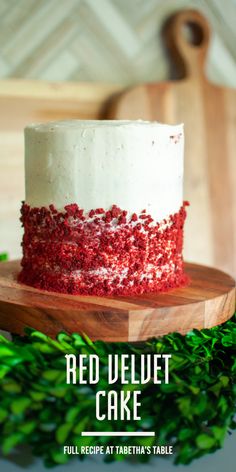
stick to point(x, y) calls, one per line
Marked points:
point(209, 114)
point(25, 101)
point(208, 300)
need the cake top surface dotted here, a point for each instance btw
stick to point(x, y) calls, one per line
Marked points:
point(63, 125)
point(133, 164)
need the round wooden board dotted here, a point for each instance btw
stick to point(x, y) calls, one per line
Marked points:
point(209, 300)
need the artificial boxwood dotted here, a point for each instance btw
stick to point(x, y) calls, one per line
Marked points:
point(3, 256)
point(194, 412)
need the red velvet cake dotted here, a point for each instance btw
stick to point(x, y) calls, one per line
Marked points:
point(104, 211)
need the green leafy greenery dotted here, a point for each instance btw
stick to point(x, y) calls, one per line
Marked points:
point(194, 412)
point(3, 256)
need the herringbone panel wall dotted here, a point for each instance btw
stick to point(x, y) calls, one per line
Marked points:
point(105, 40)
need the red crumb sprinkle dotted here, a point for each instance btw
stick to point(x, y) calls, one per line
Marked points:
point(71, 209)
point(134, 217)
point(102, 252)
point(175, 137)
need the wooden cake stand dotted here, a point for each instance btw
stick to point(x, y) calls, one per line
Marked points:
point(209, 300)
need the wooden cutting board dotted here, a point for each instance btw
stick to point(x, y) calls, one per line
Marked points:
point(209, 114)
point(207, 301)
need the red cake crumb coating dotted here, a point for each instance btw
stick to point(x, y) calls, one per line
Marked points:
point(101, 252)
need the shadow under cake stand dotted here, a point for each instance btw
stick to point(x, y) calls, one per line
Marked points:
point(208, 301)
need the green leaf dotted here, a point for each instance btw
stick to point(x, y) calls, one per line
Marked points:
point(72, 414)
point(39, 335)
point(11, 441)
point(82, 441)
point(194, 390)
point(59, 391)
point(78, 340)
point(19, 406)
point(44, 348)
point(50, 374)
point(4, 369)
point(3, 257)
point(81, 425)
point(3, 414)
point(227, 340)
point(28, 427)
point(185, 434)
point(219, 433)
point(6, 351)
point(204, 441)
point(185, 406)
point(63, 432)
point(146, 441)
point(59, 457)
point(12, 387)
point(37, 396)
point(224, 380)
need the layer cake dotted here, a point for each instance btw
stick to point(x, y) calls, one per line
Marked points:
point(103, 211)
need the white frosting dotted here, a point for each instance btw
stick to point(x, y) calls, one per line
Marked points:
point(133, 164)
